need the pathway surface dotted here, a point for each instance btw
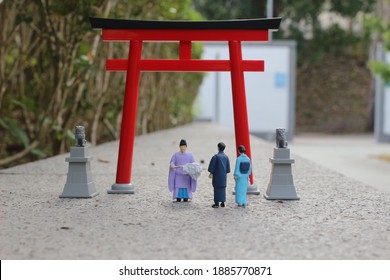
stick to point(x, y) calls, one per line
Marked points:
point(356, 156)
point(336, 218)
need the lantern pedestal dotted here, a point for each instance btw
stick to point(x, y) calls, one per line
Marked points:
point(79, 183)
point(281, 184)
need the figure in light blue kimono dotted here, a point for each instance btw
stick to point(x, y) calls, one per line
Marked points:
point(241, 174)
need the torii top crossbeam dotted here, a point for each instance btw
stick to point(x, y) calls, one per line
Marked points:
point(185, 32)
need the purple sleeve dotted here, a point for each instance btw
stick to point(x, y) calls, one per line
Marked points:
point(193, 182)
point(193, 185)
point(173, 160)
point(171, 175)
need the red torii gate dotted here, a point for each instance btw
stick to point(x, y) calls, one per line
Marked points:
point(185, 32)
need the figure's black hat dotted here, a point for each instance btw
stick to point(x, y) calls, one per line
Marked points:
point(221, 146)
point(241, 149)
point(183, 142)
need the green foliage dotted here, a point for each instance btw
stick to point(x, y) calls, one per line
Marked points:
point(334, 39)
point(53, 77)
point(39, 153)
point(352, 8)
point(380, 29)
point(302, 10)
point(300, 23)
point(230, 9)
point(15, 132)
point(381, 69)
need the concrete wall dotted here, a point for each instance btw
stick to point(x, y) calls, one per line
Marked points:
point(270, 94)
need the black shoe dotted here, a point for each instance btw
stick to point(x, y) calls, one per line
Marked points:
point(185, 199)
point(222, 204)
point(215, 206)
point(178, 199)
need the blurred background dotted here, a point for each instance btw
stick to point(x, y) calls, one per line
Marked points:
point(52, 69)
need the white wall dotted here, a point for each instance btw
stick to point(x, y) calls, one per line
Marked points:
point(270, 94)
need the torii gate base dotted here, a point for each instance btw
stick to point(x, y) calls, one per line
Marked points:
point(122, 188)
point(185, 32)
point(252, 189)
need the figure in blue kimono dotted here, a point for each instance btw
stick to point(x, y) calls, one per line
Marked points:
point(219, 167)
point(241, 174)
point(180, 184)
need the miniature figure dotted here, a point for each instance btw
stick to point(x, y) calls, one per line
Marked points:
point(182, 185)
point(219, 167)
point(242, 171)
point(281, 138)
point(80, 136)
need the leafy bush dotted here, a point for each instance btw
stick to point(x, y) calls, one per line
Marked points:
point(52, 75)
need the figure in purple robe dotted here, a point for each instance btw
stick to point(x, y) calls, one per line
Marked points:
point(219, 167)
point(180, 184)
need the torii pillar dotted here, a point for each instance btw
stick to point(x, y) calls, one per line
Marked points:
point(185, 32)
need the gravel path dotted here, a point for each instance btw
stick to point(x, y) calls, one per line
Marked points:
point(336, 217)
